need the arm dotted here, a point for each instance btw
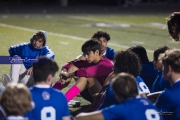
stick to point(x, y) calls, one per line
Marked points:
point(110, 53)
point(166, 101)
point(109, 78)
point(97, 115)
point(92, 71)
point(67, 74)
point(66, 118)
point(107, 81)
point(49, 53)
point(153, 96)
point(16, 49)
point(65, 78)
point(30, 71)
point(80, 57)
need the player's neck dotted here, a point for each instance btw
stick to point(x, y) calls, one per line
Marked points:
point(97, 59)
point(42, 83)
point(103, 51)
point(174, 78)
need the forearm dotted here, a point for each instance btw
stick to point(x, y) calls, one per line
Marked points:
point(109, 78)
point(97, 115)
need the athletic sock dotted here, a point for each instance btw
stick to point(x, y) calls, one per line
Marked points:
point(72, 92)
point(58, 85)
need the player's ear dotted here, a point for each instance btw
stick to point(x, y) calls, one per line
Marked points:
point(49, 79)
point(97, 52)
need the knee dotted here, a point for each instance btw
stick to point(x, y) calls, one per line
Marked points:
point(73, 68)
point(16, 60)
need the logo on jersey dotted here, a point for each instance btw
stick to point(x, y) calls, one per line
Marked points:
point(46, 95)
point(145, 102)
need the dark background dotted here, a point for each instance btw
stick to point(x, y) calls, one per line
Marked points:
point(84, 2)
point(88, 6)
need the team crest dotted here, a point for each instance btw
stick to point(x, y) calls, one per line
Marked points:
point(46, 95)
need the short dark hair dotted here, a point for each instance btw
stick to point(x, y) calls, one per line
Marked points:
point(91, 45)
point(127, 61)
point(173, 23)
point(124, 85)
point(172, 58)
point(100, 34)
point(141, 52)
point(43, 67)
point(159, 50)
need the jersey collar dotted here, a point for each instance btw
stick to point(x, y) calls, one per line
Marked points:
point(42, 86)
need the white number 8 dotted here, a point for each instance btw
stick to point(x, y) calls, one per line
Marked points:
point(150, 113)
point(144, 88)
point(49, 110)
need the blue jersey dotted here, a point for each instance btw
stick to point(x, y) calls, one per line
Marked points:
point(50, 104)
point(168, 102)
point(110, 96)
point(148, 73)
point(160, 83)
point(141, 85)
point(132, 109)
point(27, 52)
point(109, 53)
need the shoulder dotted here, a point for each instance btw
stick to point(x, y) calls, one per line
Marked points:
point(19, 45)
point(139, 79)
point(115, 109)
point(110, 53)
point(106, 60)
point(166, 94)
point(58, 93)
point(46, 47)
point(176, 86)
point(110, 49)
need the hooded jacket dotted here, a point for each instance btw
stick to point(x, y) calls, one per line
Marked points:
point(28, 53)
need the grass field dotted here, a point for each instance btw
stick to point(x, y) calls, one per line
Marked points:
point(66, 33)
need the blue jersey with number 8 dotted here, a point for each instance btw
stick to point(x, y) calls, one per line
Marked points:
point(50, 104)
point(132, 109)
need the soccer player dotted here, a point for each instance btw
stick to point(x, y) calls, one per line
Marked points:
point(125, 61)
point(50, 104)
point(106, 51)
point(16, 101)
point(148, 73)
point(104, 38)
point(27, 52)
point(130, 106)
point(168, 101)
point(173, 23)
point(160, 83)
point(90, 73)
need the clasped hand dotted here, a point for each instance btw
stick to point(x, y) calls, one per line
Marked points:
point(63, 77)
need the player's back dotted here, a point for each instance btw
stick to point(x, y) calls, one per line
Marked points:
point(168, 102)
point(141, 109)
point(132, 109)
point(50, 104)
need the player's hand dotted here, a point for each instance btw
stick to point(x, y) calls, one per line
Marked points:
point(30, 71)
point(63, 82)
point(64, 75)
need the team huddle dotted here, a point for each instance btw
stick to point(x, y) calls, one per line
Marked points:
point(122, 84)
